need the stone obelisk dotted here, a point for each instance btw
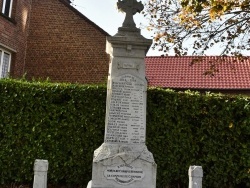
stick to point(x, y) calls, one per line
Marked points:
point(123, 160)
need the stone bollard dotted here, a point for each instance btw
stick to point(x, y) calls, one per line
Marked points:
point(40, 173)
point(195, 174)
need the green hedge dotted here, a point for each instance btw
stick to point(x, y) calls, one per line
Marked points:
point(64, 124)
point(191, 129)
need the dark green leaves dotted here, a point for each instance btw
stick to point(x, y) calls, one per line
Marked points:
point(210, 130)
point(64, 124)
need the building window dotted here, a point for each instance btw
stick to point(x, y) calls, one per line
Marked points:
point(4, 63)
point(7, 7)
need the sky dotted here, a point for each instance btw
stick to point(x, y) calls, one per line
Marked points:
point(105, 14)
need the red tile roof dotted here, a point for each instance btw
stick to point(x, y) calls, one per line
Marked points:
point(177, 72)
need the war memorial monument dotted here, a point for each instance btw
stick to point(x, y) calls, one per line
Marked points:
point(123, 160)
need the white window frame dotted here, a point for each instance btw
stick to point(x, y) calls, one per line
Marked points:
point(2, 52)
point(4, 7)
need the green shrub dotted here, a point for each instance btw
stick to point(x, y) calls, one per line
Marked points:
point(211, 131)
point(64, 123)
point(59, 122)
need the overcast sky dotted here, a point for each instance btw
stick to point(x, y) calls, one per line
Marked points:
point(105, 14)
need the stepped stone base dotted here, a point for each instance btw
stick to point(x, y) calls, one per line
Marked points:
point(119, 166)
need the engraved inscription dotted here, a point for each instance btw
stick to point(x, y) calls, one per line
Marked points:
point(128, 65)
point(125, 123)
point(124, 174)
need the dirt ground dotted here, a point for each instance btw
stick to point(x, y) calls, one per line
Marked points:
point(31, 186)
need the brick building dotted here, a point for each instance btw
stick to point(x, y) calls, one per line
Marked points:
point(13, 36)
point(50, 39)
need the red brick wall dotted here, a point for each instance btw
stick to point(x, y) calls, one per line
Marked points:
point(64, 46)
point(13, 34)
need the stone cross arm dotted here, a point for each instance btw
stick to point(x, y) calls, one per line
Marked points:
point(130, 7)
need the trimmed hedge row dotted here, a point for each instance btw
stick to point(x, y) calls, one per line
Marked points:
point(64, 123)
point(212, 131)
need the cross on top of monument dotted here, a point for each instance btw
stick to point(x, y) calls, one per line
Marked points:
point(130, 7)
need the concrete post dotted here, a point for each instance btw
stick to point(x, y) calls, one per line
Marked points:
point(195, 174)
point(40, 173)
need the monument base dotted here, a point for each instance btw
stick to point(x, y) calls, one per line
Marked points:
point(123, 165)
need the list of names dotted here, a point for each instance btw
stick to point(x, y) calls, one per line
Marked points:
point(125, 123)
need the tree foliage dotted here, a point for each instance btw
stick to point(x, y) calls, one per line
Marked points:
point(202, 23)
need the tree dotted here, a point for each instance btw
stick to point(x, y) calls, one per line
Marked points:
point(204, 23)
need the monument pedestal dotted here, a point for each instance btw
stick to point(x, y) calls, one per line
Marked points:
point(119, 166)
point(123, 160)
